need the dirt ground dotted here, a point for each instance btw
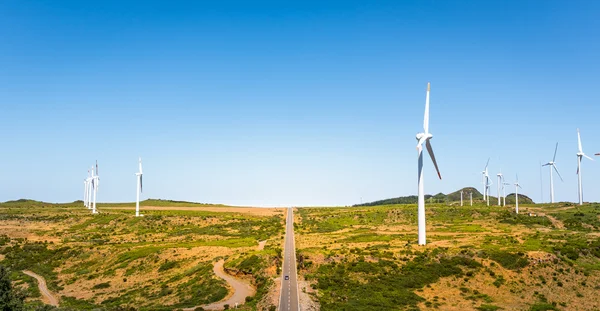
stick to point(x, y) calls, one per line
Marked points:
point(258, 211)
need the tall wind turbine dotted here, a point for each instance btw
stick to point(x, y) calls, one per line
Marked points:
point(84, 191)
point(139, 190)
point(552, 164)
point(580, 155)
point(89, 189)
point(500, 176)
point(95, 182)
point(424, 138)
point(504, 184)
point(517, 186)
point(486, 183)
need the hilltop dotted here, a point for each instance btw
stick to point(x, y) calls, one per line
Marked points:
point(149, 202)
point(449, 198)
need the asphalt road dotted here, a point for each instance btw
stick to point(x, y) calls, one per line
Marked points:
point(288, 301)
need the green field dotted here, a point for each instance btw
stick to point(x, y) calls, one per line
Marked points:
point(477, 258)
point(115, 261)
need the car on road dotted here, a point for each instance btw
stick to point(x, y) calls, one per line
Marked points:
point(287, 277)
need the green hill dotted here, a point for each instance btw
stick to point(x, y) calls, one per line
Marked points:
point(448, 198)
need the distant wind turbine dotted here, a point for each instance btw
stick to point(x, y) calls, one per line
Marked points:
point(423, 138)
point(95, 184)
point(138, 190)
point(89, 191)
point(517, 186)
point(500, 179)
point(486, 183)
point(552, 164)
point(580, 155)
point(504, 184)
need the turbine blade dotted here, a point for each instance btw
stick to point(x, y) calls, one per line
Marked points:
point(555, 149)
point(579, 141)
point(585, 155)
point(97, 168)
point(426, 118)
point(140, 165)
point(488, 163)
point(556, 169)
point(430, 150)
point(141, 183)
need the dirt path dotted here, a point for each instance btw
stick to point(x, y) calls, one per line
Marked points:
point(240, 289)
point(261, 245)
point(48, 296)
point(557, 223)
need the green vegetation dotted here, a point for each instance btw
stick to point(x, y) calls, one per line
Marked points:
point(10, 298)
point(383, 285)
point(165, 259)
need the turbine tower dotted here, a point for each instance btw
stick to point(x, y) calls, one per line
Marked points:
point(461, 198)
point(138, 190)
point(486, 183)
point(424, 138)
point(504, 184)
point(95, 184)
point(89, 192)
point(84, 191)
point(500, 177)
point(580, 155)
point(517, 186)
point(471, 195)
point(552, 164)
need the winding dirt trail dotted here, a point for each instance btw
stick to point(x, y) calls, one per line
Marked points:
point(240, 289)
point(49, 297)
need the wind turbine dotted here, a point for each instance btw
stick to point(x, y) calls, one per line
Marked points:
point(504, 184)
point(424, 138)
point(486, 183)
point(139, 190)
point(89, 189)
point(580, 155)
point(95, 184)
point(517, 186)
point(84, 191)
point(552, 164)
point(500, 177)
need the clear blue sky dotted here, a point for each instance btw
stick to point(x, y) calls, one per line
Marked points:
point(281, 103)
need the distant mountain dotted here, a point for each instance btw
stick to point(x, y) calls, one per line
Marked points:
point(451, 197)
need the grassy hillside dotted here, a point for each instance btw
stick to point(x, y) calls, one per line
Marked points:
point(477, 258)
point(26, 203)
point(114, 261)
point(449, 198)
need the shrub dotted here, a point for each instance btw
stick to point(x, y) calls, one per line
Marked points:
point(101, 285)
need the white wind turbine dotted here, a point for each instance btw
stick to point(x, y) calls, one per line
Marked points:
point(552, 164)
point(84, 191)
point(504, 184)
point(95, 184)
point(89, 189)
point(138, 190)
point(424, 138)
point(517, 186)
point(500, 179)
point(580, 155)
point(486, 183)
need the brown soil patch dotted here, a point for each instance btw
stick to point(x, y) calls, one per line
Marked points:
point(258, 211)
